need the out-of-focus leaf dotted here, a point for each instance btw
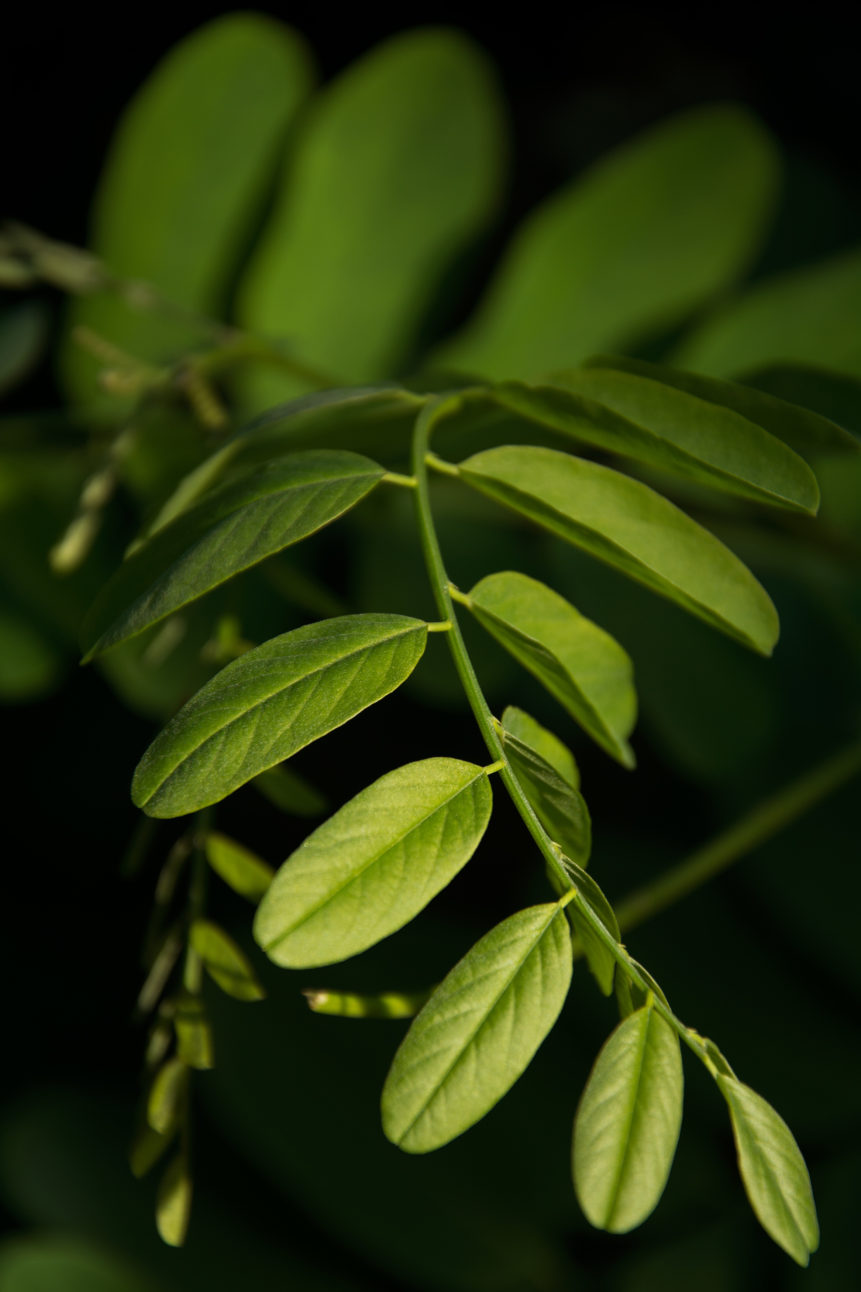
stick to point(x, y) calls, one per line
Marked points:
point(194, 1043)
point(264, 511)
point(524, 727)
point(773, 1171)
point(146, 1148)
point(479, 1030)
point(185, 176)
point(271, 702)
point(350, 1004)
point(375, 864)
point(30, 662)
point(23, 335)
point(582, 666)
point(638, 243)
point(173, 1202)
point(287, 790)
point(246, 873)
point(225, 962)
point(560, 807)
point(810, 315)
point(398, 167)
point(54, 1263)
point(631, 527)
point(168, 1097)
point(628, 1123)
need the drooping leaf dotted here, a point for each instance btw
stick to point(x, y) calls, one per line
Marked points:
point(146, 1148)
point(185, 177)
point(245, 872)
point(375, 864)
point(599, 958)
point(641, 240)
point(773, 1170)
point(673, 429)
point(810, 315)
point(225, 962)
point(479, 1030)
point(271, 702)
point(560, 807)
point(350, 1004)
point(523, 726)
point(343, 270)
point(287, 790)
point(787, 407)
point(261, 513)
point(194, 1041)
point(168, 1097)
point(628, 1123)
point(582, 666)
point(173, 1202)
point(628, 525)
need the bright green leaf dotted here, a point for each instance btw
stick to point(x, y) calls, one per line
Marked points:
point(669, 428)
point(240, 524)
point(599, 958)
point(225, 962)
point(271, 702)
point(560, 808)
point(639, 242)
point(246, 873)
point(173, 1202)
point(375, 864)
point(168, 1097)
point(523, 726)
point(350, 1004)
point(479, 1030)
point(194, 1041)
point(418, 117)
point(582, 666)
point(628, 1123)
point(773, 1170)
point(186, 175)
point(628, 525)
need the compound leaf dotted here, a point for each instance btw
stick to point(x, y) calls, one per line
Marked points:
point(225, 962)
point(628, 1123)
point(247, 874)
point(632, 528)
point(375, 864)
point(582, 666)
point(773, 1171)
point(271, 702)
point(479, 1030)
point(235, 527)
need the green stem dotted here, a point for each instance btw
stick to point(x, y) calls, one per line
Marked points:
point(758, 825)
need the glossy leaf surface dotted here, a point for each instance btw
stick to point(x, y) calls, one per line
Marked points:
point(271, 702)
point(582, 666)
point(560, 807)
point(523, 726)
point(245, 872)
point(628, 1123)
point(375, 864)
point(632, 528)
point(773, 1170)
point(225, 962)
point(237, 526)
point(479, 1030)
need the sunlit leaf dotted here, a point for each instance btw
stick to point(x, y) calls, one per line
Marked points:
point(168, 1097)
point(225, 962)
point(773, 1170)
point(237, 526)
point(560, 808)
point(173, 1202)
point(479, 1030)
point(523, 726)
point(599, 958)
point(375, 864)
point(640, 241)
point(350, 1004)
point(628, 525)
point(194, 1042)
point(342, 269)
point(245, 872)
point(628, 1123)
point(582, 666)
point(271, 702)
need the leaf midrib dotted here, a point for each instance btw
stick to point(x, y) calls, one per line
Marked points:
point(629, 1117)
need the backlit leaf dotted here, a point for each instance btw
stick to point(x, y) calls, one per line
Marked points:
point(628, 1123)
point(194, 1041)
point(375, 864)
point(271, 702)
point(146, 1148)
point(168, 1097)
point(173, 1202)
point(246, 873)
point(560, 808)
point(773, 1170)
point(628, 525)
point(522, 725)
point(225, 962)
point(350, 1004)
point(582, 666)
point(479, 1030)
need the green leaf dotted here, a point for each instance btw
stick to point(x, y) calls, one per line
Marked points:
point(375, 864)
point(773, 1170)
point(235, 527)
point(582, 666)
point(271, 702)
point(634, 246)
point(31, 663)
point(560, 808)
point(186, 175)
point(194, 1043)
point(24, 331)
point(524, 727)
point(173, 1202)
point(225, 962)
point(788, 408)
point(479, 1030)
point(350, 1004)
point(643, 419)
point(290, 792)
point(167, 1102)
point(599, 958)
point(247, 874)
point(146, 1148)
point(343, 269)
point(810, 315)
point(628, 525)
point(628, 1123)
